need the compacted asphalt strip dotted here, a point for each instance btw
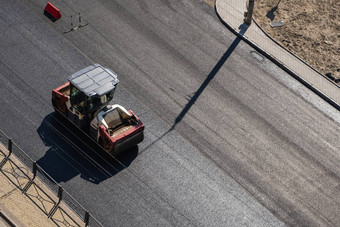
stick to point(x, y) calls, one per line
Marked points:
point(168, 183)
point(231, 139)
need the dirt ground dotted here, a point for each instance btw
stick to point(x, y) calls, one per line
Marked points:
point(211, 2)
point(311, 29)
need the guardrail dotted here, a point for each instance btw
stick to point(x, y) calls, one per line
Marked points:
point(40, 188)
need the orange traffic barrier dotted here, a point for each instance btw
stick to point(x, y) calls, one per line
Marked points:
point(53, 11)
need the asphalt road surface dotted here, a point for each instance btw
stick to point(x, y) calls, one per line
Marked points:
point(230, 138)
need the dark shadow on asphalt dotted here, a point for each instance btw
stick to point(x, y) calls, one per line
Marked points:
point(49, 16)
point(243, 28)
point(71, 153)
point(209, 78)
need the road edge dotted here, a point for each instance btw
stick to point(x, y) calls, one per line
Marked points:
point(279, 64)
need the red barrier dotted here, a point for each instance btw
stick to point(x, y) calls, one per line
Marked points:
point(52, 10)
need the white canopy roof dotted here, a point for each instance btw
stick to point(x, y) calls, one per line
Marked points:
point(94, 80)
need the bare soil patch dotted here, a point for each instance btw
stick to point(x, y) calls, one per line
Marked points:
point(311, 30)
point(210, 2)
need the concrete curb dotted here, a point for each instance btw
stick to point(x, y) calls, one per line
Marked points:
point(300, 59)
point(9, 217)
point(38, 194)
point(280, 64)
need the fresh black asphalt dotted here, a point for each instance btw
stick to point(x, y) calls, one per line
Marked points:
point(230, 139)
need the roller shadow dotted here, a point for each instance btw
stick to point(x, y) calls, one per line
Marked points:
point(71, 153)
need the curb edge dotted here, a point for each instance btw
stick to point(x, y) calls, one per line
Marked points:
point(300, 59)
point(281, 65)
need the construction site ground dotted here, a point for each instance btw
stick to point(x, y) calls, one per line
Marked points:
point(311, 30)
